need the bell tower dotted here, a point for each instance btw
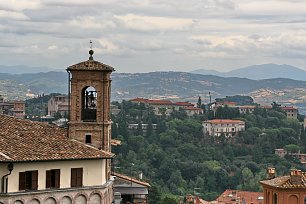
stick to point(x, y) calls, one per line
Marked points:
point(89, 99)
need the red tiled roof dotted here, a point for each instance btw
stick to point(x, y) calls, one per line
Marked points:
point(289, 108)
point(247, 107)
point(285, 182)
point(183, 104)
point(24, 140)
point(193, 108)
point(90, 65)
point(140, 100)
point(160, 102)
point(131, 179)
point(115, 142)
point(236, 196)
point(224, 121)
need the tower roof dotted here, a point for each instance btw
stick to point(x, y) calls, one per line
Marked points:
point(90, 65)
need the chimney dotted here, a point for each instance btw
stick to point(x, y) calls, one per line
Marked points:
point(296, 176)
point(271, 172)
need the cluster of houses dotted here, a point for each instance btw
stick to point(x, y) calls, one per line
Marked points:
point(13, 108)
point(288, 189)
point(291, 112)
point(42, 163)
point(298, 155)
point(166, 107)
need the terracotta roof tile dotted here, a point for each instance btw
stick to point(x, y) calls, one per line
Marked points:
point(160, 102)
point(247, 107)
point(224, 121)
point(115, 142)
point(236, 196)
point(289, 108)
point(131, 179)
point(183, 104)
point(193, 108)
point(24, 140)
point(285, 182)
point(90, 65)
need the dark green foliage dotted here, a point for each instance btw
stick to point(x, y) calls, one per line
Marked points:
point(176, 158)
point(37, 107)
point(227, 112)
point(240, 100)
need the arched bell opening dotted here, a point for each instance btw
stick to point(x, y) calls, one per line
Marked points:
point(89, 104)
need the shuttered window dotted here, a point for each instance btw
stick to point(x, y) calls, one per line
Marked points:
point(53, 178)
point(28, 180)
point(76, 177)
point(22, 181)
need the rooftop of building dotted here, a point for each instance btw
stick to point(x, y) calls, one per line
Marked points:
point(236, 196)
point(25, 140)
point(90, 65)
point(161, 102)
point(224, 121)
point(183, 104)
point(296, 180)
point(134, 180)
point(193, 108)
point(288, 108)
point(247, 107)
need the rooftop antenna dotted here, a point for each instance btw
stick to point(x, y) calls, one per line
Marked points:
point(91, 52)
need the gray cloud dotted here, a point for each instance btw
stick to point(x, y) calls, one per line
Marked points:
point(154, 34)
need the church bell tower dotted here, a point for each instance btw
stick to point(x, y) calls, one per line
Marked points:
point(89, 99)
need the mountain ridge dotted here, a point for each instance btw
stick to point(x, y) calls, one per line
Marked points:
point(262, 71)
point(172, 85)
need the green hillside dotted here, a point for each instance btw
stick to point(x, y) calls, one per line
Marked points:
point(177, 157)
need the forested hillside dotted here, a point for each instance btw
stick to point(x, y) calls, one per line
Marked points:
point(176, 158)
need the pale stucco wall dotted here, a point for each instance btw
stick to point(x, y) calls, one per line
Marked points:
point(93, 172)
point(3, 171)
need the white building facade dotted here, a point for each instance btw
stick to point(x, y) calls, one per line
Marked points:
point(217, 127)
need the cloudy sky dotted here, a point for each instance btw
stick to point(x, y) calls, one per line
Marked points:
point(153, 35)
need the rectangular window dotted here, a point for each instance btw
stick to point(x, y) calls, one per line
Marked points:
point(76, 177)
point(53, 178)
point(28, 180)
point(88, 139)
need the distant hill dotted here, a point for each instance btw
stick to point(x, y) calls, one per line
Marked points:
point(185, 84)
point(159, 84)
point(22, 69)
point(15, 86)
point(264, 71)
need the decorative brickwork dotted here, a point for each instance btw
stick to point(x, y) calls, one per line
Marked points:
point(93, 74)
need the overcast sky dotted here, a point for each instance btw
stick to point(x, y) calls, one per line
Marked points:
point(153, 35)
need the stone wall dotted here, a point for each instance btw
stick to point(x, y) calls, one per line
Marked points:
point(85, 195)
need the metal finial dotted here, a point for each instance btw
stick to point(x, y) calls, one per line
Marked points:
point(91, 52)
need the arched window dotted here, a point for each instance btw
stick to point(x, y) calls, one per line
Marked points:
point(89, 104)
point(275, 198)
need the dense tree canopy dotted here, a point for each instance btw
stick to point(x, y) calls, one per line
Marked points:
point(176, 157)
